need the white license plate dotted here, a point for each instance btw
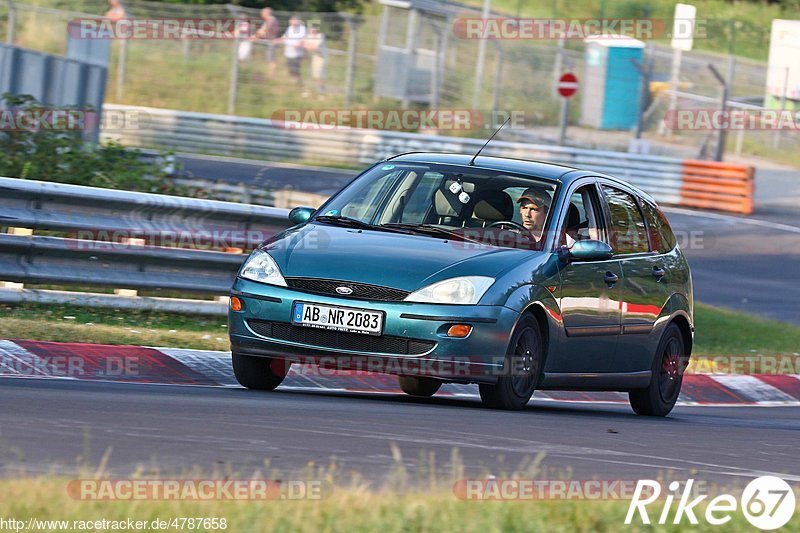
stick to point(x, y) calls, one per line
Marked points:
point(338, 318)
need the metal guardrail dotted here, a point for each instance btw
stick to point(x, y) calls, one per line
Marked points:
point(65, 207)
point(126, 239)
point(185, 131)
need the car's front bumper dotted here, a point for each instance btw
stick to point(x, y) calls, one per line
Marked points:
point(475, 358)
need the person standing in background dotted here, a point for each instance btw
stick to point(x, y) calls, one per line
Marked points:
point(242, 34)
point(269, 30)
point(116, 11)
point(317, 48)
point(293, 40)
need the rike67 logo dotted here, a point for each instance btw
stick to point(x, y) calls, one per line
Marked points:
point(767, 502)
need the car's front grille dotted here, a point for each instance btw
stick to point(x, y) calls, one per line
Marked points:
point(340, 340)
point(363, 291)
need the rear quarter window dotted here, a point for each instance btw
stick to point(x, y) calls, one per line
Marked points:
point(628, 234)
point(661, 236)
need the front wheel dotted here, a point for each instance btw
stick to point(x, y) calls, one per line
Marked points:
point(419, 386)
point(521, 368)
point(670, 360)
point(259, 373)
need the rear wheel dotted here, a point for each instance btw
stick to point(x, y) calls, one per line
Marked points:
point(660, 396)
point(259, 373)
point(419, 386)
point(521, 368)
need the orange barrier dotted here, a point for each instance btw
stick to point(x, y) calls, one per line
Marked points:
point(720, 186)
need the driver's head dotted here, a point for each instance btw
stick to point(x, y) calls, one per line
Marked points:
point(533, 206)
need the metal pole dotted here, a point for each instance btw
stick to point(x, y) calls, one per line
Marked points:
point(677, 55)
point(411, 49)
point(12, 22)
point(498, 76)
point(435, 82)
point(351, 60)
point(718, 154)
point(729, 84)
point(121, 66)
point(445, 42)
point(234, 80)
point(739, 141)
point(644, 88)
point(776, 140)
point(562, 135)
point(558, 66)
point(476, 92)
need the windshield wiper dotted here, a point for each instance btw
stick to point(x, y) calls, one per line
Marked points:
point(344, 221)
point(430, 229)
point(349, 222)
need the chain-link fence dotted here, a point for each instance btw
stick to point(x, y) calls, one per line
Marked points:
point(235, 76)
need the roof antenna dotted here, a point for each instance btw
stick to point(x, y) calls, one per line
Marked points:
point(472, 161)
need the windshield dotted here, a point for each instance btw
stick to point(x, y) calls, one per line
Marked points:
point(448, 202)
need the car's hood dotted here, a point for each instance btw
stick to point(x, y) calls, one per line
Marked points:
point(397, 260)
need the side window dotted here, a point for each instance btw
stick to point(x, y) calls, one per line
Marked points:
point(628, 233)
point(581, 221)
point(661, 235)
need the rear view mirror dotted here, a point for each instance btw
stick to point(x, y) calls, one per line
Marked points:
point(590, 250)
point(300, 215)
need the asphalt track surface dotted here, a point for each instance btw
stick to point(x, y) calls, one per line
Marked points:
point(175, 428)
point(747, 263)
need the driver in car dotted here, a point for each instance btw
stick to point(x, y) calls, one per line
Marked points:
point(534, 203)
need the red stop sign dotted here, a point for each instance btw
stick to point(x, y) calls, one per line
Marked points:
point(567, 85)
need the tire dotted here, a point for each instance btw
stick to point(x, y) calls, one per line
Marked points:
point(419, 386)
point(669, 362)
point(259, 373)
point(521, 369)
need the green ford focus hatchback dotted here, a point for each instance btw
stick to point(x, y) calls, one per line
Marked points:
point(438, 268)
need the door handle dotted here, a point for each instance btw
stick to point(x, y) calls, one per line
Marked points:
point(658, 272)
point(611, 278)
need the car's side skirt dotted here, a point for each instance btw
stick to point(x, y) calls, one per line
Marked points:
point(620, 381)
point(590, 331)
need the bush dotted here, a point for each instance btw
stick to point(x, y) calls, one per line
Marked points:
point(64, 156)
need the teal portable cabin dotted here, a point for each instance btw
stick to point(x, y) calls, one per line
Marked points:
point(611, 89)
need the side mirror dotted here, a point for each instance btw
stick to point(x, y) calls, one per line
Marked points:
point(590, 250)
point(300, 215)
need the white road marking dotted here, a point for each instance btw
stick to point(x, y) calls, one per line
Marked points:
point(752, 388)
point(212, 364)
point(17, 361)
point(734, 219)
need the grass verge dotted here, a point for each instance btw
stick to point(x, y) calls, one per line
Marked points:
point(351, 510)
point(66, 323)
point(326, 503)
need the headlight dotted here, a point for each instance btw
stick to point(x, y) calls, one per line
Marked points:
point(263, 268)
point(465, 290)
